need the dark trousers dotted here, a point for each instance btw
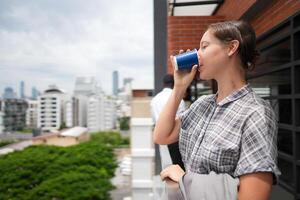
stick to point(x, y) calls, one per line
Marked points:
point(175, 154)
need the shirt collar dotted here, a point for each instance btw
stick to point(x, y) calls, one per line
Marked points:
point(233, 96)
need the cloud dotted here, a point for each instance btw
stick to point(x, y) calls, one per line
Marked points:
point(46, 42)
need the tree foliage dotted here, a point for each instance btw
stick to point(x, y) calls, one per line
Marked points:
point(49, 172)
point(124, 123)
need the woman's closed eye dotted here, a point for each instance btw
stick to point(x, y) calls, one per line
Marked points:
point(203, 47)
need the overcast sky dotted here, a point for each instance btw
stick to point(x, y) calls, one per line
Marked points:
point(52, 42)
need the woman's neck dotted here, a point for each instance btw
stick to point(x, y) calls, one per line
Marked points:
point(230, 82)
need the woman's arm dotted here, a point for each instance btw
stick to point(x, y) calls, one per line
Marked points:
point(167, 128)
point(255, 186)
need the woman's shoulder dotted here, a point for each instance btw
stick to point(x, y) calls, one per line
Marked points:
point(259, 106)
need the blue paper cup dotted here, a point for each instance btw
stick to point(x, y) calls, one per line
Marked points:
point(186, 61)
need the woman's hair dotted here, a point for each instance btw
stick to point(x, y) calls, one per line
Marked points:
point(242, 32)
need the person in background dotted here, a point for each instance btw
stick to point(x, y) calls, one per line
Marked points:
point(169, 153)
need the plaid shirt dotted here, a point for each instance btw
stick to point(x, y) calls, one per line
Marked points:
point(236, 136)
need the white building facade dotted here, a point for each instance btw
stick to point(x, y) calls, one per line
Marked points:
point(31, 114)
point(94, 115)
point(101, 113)
point(1, 120)
point(109, 113)
point(96, 111)
point(71, 106)
point(84, 88)
point(50, 109)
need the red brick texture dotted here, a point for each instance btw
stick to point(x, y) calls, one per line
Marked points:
point(140, 93)
point(270, 16)
point(185, 32)
point(273, 14)
point(234, 9)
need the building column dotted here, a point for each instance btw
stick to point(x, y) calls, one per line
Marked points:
point(142, 150)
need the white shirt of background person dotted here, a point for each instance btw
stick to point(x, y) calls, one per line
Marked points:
point(157, 104)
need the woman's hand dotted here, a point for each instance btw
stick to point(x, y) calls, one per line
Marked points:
point(173, 172)
point(182, 79)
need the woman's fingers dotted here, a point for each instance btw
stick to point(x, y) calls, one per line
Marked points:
point(164, 174)
point(172, 62)
point(194, 70)
point(174, 172)
point(181, 51)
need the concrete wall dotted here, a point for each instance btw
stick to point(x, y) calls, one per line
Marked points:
point(142, 149)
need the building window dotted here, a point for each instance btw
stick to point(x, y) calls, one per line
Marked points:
point(277, 79)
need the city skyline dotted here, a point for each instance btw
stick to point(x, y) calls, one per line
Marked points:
point(28, 91)
point(43, 43)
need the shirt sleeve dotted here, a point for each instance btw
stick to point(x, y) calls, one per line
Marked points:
point(152, 112)
point(181, 108)
point(258, 151)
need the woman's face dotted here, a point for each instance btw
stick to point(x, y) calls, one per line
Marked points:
point(212, 55)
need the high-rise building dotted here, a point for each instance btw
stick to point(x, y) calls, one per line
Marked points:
point(127, 81)
point(115, 83)
point(124, 99)
point(22, 90)
point(71, 111)
point(34, 93)
point(50, 109)
point(84, 88)
point(94, 109)
point(109, 111)
point(95, 114)
point(14, 111)
point(1, 118)
point(32, 113)
point(9, 93)
point(101, 113)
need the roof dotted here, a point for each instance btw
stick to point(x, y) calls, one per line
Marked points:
point(6, 151)
point(193, 7)
point(53, 89)
point(48, 135)
point(74, 132)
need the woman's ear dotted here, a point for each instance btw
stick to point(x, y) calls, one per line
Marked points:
point(233, 47)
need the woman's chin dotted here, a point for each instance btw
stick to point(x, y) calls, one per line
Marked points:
point(203, 77)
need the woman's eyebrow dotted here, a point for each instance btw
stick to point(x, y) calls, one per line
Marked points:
point(204, 42)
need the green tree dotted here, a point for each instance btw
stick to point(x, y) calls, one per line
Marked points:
point(49, 172)
point(124, 123)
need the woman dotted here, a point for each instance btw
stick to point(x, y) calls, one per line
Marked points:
point(233, 131)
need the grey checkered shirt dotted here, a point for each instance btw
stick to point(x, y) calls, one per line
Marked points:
point(236, 136)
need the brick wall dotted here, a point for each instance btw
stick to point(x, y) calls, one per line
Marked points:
point(273, 14)
point(234, 9)
point(185, 32)
point(141, 93)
